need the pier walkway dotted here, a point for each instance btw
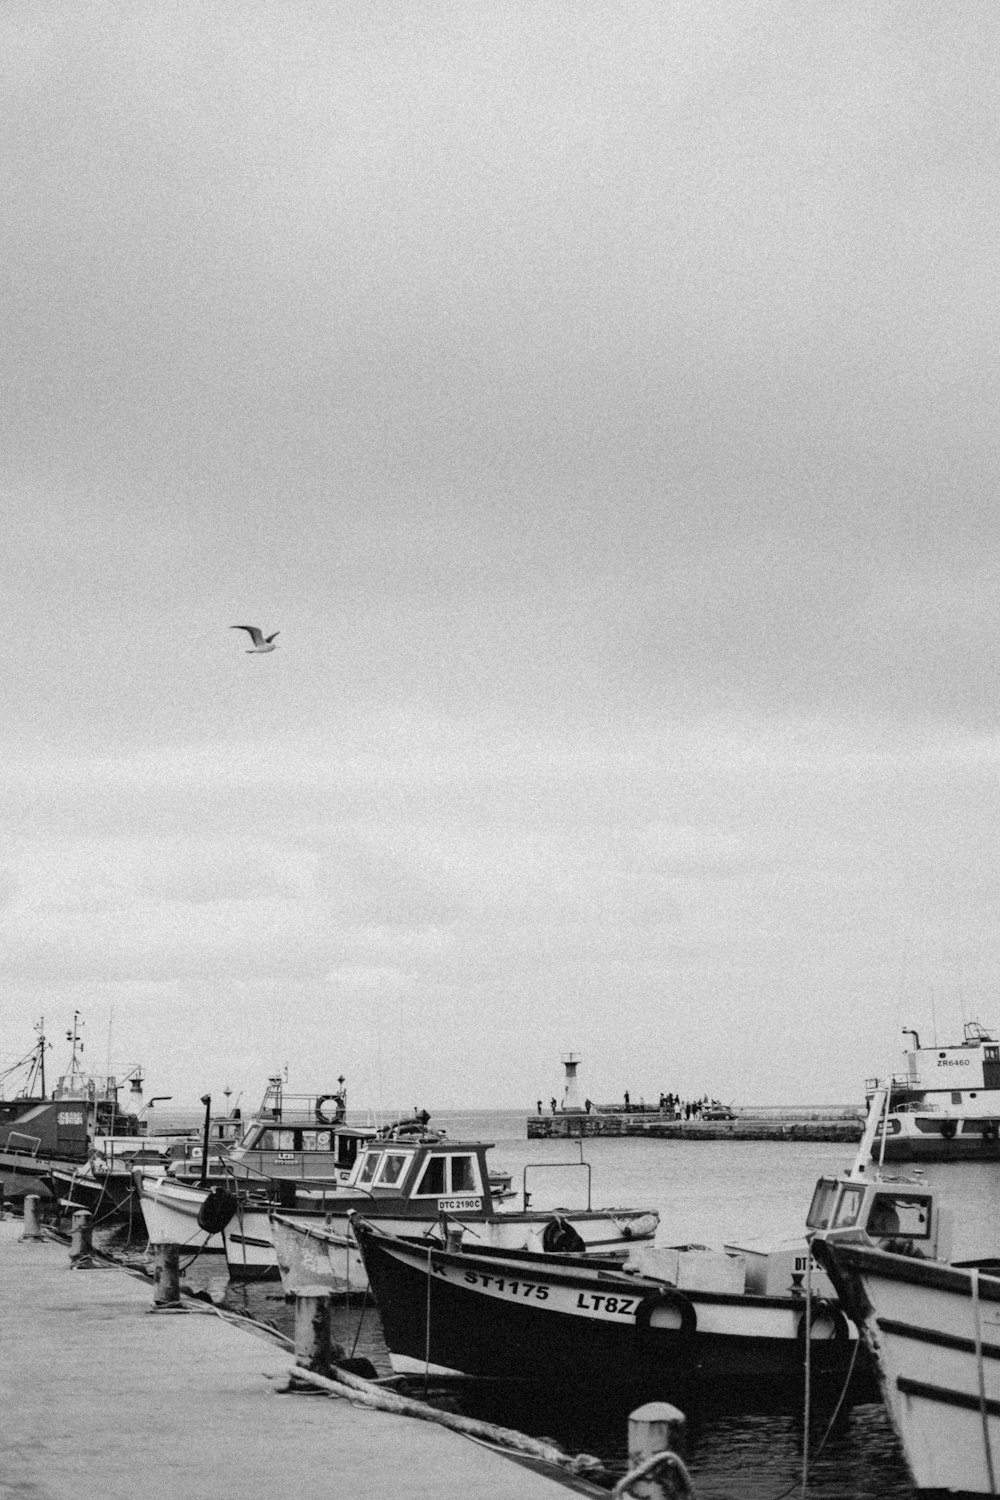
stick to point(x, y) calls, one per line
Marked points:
point(651, 1124)
point(104, 1399)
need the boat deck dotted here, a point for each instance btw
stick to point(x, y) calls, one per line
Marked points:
point(104, 1399)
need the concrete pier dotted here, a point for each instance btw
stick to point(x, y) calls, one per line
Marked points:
point(105, 1399)
point(652, 1124)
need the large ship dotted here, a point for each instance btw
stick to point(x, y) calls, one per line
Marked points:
point(946, 1105)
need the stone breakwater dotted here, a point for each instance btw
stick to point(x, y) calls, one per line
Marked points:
point(813, 1126)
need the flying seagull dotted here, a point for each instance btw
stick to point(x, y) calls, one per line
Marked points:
point(260, 642)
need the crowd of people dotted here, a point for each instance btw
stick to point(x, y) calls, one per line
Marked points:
point(672, 1106)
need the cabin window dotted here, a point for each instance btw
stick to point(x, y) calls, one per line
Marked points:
point(448, 1174)
point(821, 1206)
point(463, 1175)
point(278, 1140)
point(370, 1167)
point(956, 1097)
point(393, 1169)
point(896, 1214)
point(432, 1181)
point(848, 1208)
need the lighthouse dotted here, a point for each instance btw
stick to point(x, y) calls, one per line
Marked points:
point(571, 1093)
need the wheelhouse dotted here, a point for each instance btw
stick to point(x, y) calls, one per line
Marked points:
point(900, 1214)
point(452, 1175)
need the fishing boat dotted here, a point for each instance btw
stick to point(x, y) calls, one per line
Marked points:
point(431, 1187)
point(945, 1106)
point(296, 1149)
point(685, 1325)
point(105, 1184)
point(82, 1114)
point(933, 1329)
point(932, 1326)
point(751, 1326)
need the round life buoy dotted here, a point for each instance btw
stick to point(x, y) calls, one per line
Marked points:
point(560, 1238)
point(823, 1311)
point(669, 1297)
point(217, 1210)
point(322, 1116)
point(948, 1129)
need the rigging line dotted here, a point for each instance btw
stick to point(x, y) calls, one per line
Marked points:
point(427, 1334)
point(981, 1378)
point(808, 1375)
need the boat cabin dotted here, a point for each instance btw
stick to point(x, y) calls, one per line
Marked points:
point(946, 1074)
point(896, 1215)
point(450, 1174)
point(300, 1137)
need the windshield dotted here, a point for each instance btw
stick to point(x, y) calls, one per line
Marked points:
point(821, 1206)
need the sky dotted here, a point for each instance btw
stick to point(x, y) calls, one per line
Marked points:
point(600, 400)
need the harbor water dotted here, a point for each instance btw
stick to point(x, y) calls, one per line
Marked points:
point(708, 1193)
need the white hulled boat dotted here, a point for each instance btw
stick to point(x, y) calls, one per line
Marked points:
point(296, 1149)
point(946, 1105)
point(933, 1329)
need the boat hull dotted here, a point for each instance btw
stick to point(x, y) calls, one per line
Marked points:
point(321, 1250)
point(587, 1329)
point(111, 1196)
point(170, 1214)
point(924, 1322)
point(928, 1137)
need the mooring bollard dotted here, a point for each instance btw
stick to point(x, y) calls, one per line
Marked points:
point(166, 1275)
point(655, 1446)
point(314, 1349)
point(32, 1218)
point(81, 1249)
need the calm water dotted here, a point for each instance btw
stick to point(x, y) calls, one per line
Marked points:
point(706, 1192)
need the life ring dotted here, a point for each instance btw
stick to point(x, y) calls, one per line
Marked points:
point(217, 1210)
point(822, 1310)
point(325, 1119)
point(560, 1238)
point(670, 1297)
point(948, 1129)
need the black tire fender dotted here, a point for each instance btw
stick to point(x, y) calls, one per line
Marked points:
point(948, 1129)
point(217, 1210)
point(560, 1238)
point(666, 1296)
point(822, 1310)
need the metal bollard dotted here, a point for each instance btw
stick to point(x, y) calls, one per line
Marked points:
point(166, 1275)
point(314, 1349)
point(32, 1218)
point(655, 1444)
point(81, 1249)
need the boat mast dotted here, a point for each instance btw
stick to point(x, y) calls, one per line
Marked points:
point(39, 1066)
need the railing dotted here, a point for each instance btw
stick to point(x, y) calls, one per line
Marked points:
point(545, 1166)
point(31, 1149)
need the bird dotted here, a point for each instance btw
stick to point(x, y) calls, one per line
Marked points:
point(260, 641)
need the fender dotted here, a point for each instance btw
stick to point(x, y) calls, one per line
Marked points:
point(217, 1210)
point(948, 1129)
point(560, 1238)
point(824, 1311)
point(666, 1296)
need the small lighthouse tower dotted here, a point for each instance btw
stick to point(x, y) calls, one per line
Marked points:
point(571, 1093)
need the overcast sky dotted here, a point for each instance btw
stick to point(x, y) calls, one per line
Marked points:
point(601, 400)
